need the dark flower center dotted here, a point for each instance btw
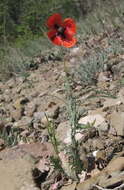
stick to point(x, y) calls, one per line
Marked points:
point(60, 31)
point(56, 26)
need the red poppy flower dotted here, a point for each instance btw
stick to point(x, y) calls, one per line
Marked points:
point(61, 32)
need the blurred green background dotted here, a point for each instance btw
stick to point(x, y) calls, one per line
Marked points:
point(22, 26)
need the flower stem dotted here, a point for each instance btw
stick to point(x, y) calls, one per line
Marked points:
point(65, 68)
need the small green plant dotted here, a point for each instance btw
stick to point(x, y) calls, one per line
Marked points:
point(91, 66)
point(11, 136)
point(16, 59)
point(73, 116)
point(89, 69)
point(56, 163)
point(103, 17)
point(13, 62)
point(55, 160)
point(52, 136)
point(121, 81)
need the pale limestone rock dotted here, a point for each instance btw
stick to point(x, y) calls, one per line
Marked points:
point(96, 120)
point(63, 132)
point(117, 122)
point(16, 175)
point(109, 102)
point(121, 95)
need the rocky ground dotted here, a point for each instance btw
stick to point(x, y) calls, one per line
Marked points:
point(25, 147)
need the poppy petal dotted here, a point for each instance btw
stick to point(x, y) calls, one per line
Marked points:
point(69, 43)
point(57, 41)
point(55, 19)
point(68, 34)
point(70, 25)
point(51, 34)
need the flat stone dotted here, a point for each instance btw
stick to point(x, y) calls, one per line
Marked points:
point(17, 114)
point(117, 122)
point(63, 132)
point(69, 187)
point(30, 109)
point(121, 95)
point(103, 77)
point(38, 116)
point(33, 150)
point(96, 120)
point(16, 175)
point(111, 102)
point(110, 176)
point(24, 122)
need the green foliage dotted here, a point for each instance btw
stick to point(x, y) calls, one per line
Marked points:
point(24, 18)
point(52, 136)
point(22, 24)
point(11, 136)
point(27, 18)
point(90, 67)
point(103, 16)
point(121, 81)
point(56, 162)
point(73, 149)
point(73, 116)
point(12, 62)
point(16, 60)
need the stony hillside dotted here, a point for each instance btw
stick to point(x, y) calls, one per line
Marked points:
point(25, 144)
